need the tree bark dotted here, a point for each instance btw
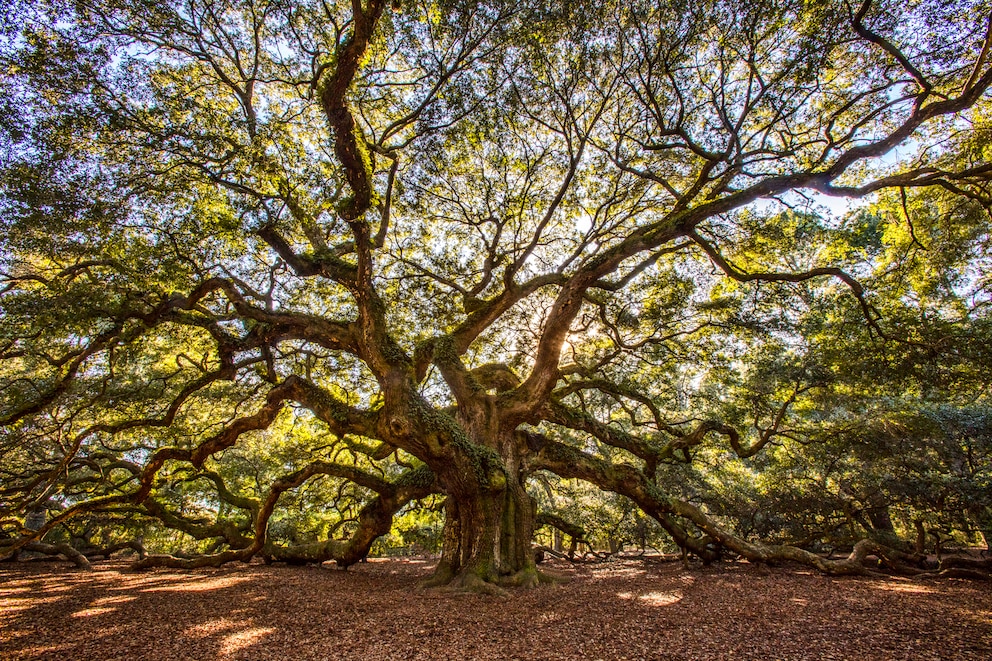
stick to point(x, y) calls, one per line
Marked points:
point(70, 553)
point(489, 516)
point(487, 539)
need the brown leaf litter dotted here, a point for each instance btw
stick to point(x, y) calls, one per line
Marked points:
point(626, 609)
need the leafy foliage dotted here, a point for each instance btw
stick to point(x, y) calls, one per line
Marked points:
point(278, 275)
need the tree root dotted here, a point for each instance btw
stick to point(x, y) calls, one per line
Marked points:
point(442, 576)
point(472, 583)
point(471, 580)
point(467, 580)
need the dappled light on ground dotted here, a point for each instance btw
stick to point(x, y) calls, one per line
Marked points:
point(89, 612)
point(660, 598)
point(199, 586)
point(117, 599)
point(238, 641)
point(912, 588)
point(654, 598)
point(628, 609)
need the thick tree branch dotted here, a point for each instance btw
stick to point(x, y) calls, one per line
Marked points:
point(627, 481)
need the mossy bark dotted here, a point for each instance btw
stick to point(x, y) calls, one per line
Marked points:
point(489, 524)
point(487, 535)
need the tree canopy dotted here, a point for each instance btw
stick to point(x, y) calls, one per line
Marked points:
point(275, 275)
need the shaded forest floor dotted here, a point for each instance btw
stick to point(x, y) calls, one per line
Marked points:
point(626, 609)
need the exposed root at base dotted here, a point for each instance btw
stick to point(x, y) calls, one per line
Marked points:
point(471, 580)
point(475, 584)
point(465, 581)
point(442, 576)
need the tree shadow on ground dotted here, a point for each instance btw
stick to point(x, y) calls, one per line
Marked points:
point(625, 609)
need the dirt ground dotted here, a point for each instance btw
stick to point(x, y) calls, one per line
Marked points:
point(626, 609)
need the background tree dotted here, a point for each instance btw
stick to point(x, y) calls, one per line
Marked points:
point(274, 272)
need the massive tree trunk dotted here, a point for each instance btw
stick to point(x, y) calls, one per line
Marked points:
point(489, 520)
point(487, 539)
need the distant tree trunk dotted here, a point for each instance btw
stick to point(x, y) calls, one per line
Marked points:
point(880, 518)
point(938, 543)
point(615, 545)
point(642, 532)
point(36, 518)
point(921, 536)
point(982, 518)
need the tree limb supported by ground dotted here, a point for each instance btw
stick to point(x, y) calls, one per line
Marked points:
point(308, 281)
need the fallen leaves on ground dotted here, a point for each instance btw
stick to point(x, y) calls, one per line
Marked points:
point(626, 609)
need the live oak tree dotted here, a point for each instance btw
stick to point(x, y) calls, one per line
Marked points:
point(372, 255)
